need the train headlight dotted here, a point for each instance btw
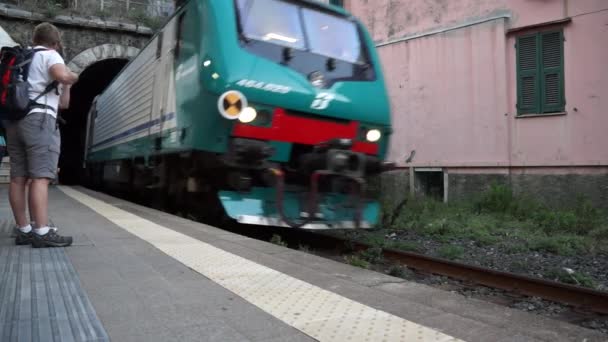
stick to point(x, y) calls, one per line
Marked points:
point(249, 114)
point(373, 135)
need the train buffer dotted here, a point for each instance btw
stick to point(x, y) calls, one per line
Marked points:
point(136, 274)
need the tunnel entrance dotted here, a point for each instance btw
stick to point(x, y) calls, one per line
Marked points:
point(93, 80)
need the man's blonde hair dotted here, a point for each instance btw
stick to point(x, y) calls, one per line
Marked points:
point(46, 34)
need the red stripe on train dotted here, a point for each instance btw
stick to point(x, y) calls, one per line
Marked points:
point(304, 130)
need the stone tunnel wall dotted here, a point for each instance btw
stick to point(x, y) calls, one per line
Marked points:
point(79, 35)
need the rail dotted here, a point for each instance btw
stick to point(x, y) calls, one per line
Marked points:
point(581, 297)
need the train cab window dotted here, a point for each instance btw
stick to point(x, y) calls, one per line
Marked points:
point(159, 45)
point(179, 34)
point(324, 30)
point(272, 21)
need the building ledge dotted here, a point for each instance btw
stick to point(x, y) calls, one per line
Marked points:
point(539, 25)
point(524, 116)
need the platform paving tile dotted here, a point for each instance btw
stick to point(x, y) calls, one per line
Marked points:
point(507, 335)
point(217, 332)
point(495, 315)
point(437, 309)
point(337, 269)
point(417, 302)
point(289, 338)
point(137, 289)
point(42, 298)
point(334, 276)
point(344, 287)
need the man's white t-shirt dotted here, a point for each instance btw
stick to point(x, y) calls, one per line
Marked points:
point(39, 77)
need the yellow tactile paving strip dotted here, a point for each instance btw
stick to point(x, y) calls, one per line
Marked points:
point(321, 314)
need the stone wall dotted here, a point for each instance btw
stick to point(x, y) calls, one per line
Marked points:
point(394, 189)
point(563, 190)
point(466, 186)
point(78, 34)
point(558, 190)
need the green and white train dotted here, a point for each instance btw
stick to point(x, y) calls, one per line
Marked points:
point(270, 112)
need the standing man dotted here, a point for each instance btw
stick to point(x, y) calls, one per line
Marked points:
point(34, 141)
point(2, 143)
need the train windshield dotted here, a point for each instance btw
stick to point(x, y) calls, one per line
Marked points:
point(301, 28)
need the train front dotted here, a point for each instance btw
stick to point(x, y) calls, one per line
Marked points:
point(310, 116)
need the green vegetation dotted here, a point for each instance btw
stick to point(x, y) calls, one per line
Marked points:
point(451, 252)
point(372, 255)
point(304, 248)
point(52, 8)
point(570, 277)
point(499, 218)
point(277, 240)
point(357, 261)
point(406, 246)
point(143, 18)
point(398, 271)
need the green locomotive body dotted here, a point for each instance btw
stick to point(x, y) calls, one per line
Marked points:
point(275, 109)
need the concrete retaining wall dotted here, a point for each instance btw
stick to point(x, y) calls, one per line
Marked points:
point(552, 187)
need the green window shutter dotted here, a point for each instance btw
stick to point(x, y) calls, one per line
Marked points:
point(552, 76)
point(528, 83)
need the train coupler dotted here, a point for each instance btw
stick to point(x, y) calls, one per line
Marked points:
point(311, 210)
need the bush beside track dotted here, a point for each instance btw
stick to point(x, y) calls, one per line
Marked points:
point(504, 232)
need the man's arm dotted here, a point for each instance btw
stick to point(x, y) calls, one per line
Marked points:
point(64, 99)
point(63, 75)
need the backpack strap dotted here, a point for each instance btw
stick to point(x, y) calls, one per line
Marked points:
point(48, 89)
point(29, 60)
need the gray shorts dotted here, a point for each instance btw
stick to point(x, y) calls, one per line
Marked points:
point(33, 143)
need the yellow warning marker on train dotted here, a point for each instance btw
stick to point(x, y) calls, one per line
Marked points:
point(231, 104)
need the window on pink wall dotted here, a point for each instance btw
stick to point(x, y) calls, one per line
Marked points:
point(540, 73)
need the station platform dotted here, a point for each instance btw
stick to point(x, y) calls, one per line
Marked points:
point(137, 274)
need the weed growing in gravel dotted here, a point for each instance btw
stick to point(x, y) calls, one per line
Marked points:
point(372, 255)
point(561, 245)
point(450, 252)
point(497, 217)
point(515, 248)
point(277, 240)
point(397, 271)
point(406, 246)
point(570, 277)
point(356, 261)
point(376, 240)
point(600, 233)
point(304, 248)
point(519, 266)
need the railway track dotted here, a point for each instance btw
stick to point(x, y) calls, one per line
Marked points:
point(576, 296)
point(580, 297)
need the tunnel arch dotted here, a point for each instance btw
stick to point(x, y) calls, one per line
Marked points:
point(97, 67)
point(99, 53)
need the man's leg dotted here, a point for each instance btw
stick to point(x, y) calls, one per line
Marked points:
point(41, 136)
point(17, 200)
point(16, 194)
point(39, 201)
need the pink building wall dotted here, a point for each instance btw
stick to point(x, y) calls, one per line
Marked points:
point(454, 93)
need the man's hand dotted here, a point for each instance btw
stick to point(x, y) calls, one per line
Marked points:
point(62, 74)
point(64, 99)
